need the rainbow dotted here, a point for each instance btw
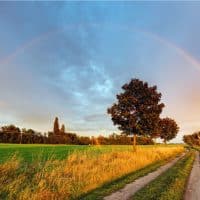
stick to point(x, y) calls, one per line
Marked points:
point(182, 52)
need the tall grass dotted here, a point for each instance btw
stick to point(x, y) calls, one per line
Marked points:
point(171, 184)
point(75, 175)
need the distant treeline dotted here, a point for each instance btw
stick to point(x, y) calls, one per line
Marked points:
point(193, 139)
point(13, 134)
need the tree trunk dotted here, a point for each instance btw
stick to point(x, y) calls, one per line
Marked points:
point(134, 142)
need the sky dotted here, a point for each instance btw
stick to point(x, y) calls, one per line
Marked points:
point(70, 59)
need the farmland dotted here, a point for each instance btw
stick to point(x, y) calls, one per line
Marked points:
point(32, 152)
point(68, 172)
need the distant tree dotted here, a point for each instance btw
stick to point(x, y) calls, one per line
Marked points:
point(62, 130)
point(10, 134)
point(193, 139)
point(168, 129)
point(144, 140)
point(138, 109)
point(83, 140)
point(10, 128)
point(101, 140)
point(93, 140)
point(56, 129)
point(188, 139)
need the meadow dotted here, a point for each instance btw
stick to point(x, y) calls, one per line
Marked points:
point(68, 172)
point(32, 152)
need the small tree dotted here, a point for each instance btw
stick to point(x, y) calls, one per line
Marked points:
point(138, 109)
point(56, 129)
point(188, 139)
point(168, 129)
point(62, 130)
point(193, 139)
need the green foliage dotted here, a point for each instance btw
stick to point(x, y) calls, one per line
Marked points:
point(138, 108)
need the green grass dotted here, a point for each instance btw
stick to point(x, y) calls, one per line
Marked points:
point(29, 152)
point(170, 185)
point(32, 152)
point(119, 183)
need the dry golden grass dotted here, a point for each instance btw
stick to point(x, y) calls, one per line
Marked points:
point(78, 174)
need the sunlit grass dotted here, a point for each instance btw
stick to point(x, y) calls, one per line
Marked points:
point(79, 173)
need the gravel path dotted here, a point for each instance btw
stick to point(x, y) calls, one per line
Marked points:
point(193, 187)
point(130, 189)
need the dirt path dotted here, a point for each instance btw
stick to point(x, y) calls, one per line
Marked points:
point(193, 187)
point(130, 189)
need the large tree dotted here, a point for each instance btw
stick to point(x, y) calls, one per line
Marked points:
point(56, 129)
point(168, 129)
point(137, 109)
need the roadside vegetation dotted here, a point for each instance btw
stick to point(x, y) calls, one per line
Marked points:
point(169, 185)
point(113, 186)
point(80, 173)
point(196, 148)
point(193, 139)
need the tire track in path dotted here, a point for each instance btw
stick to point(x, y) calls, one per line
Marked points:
point(130, 189)
point(193, 187)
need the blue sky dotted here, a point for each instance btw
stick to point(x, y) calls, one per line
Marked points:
point(70, 59)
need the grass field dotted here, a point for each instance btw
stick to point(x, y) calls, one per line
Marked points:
point(68, 172)
point(32, 152)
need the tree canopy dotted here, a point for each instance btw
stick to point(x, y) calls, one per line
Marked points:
point(168, 129)
point(193, 139)
point(56, 129)
point(138, 108)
